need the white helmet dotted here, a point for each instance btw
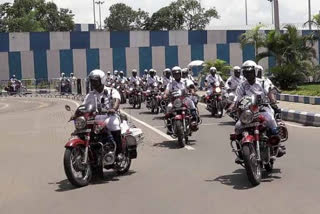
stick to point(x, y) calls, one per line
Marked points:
point(260, 71)
point(213, 69)
point(235, 68)
point(98, 74)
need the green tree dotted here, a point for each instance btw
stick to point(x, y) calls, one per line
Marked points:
point(124, 18)
point(222, 67)
point(253, 37)
point(34, 16)
point(294, 55)
point(315, 21)
point(182, 14)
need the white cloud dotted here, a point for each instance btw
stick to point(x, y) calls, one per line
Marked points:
point(232, 12)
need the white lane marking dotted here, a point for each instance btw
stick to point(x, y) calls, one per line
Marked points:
point(154, 129)
point(4, 106)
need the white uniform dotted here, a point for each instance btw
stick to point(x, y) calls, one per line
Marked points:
point(245, 89)
point(134, 79)
point(214, 79)
point(266, 83)
point(153, 80)
point(112, 121)
point(165, 80)
point(233, 82)
point(174, 86)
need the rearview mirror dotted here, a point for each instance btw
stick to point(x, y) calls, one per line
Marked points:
point(68, 108)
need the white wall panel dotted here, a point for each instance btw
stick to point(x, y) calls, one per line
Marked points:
point(105, 58)
point(4, 68)
point(184, 55)
point(139, 38)
point(84, 27)
point(178, 38)
point(99, 39)
point(210, 52)
point(59, 40)
point(235, 54)
point(132, 59)
point(216, 36)
point(79, 63)
point(53, 63)
point(158, 59)
point(27, 65)
point(19, 42)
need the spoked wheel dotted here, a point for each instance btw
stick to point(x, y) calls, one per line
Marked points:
point(123, 166)
point(139, 102)
point(179, 133)
point(77, 173)
point(219, 110)
point(251, 164)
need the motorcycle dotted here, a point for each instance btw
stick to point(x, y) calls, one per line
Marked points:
point(135, 95)
point(15, 87)
point(92, 149)
point(121, 87)
point(153, 98)
point(214, 101)
point(178, 119)
point(230, 98)
point(254, 148)
point(65, 86)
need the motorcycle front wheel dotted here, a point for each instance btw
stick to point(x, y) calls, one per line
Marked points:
point(251, 164)
point(179, 133)
point(124, 166)
point(77, 174)
point(219, 110)
point(139, 102)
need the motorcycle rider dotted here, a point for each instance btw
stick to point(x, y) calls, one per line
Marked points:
point(213, 79)
point(252, 86)
point(134, 78)
point(115, 75)
point(122, 77)
point(177, 84)
point(234, 80)
point(153, 78)
point(73, 81)
point(107, 99)
point(166, 78)
point(109, 76)
point(64, 83)
point(190, 85)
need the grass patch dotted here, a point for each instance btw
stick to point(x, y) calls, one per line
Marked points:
point(306, 90)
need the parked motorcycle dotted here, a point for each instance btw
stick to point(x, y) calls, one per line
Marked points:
point(178, 119)
point(135, 95)
point(92, 149)
point(214, 101)
point(255, 147)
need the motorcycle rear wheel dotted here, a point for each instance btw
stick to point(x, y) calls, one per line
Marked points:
point(69, 162)
point(251, 164)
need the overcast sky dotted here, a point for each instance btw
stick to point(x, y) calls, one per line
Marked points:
point(232, 12)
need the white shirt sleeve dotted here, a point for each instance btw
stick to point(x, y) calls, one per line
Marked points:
point(116, 94)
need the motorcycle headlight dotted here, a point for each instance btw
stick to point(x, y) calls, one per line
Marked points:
point(246, 117)
point(177, 103)
point(80, 123)
point(218, 90)
point(131, 89)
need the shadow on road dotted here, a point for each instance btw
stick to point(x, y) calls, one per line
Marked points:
point(239, 180)
point(158, 118)
point(227, 123)
point(172, 144)
point(65, 185)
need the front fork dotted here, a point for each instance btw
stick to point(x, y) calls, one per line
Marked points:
point(257, 136)
point(86, 151)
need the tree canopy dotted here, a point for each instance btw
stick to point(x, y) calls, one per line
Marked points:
point(179, 15)
point(34, 16)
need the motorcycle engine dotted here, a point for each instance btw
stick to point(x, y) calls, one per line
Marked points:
point(109, 158)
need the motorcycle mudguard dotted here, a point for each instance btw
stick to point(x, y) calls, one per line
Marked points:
point(248, 139)
point(74, 142)
point(178, 117)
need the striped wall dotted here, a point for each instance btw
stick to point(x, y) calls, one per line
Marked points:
point(46, 55)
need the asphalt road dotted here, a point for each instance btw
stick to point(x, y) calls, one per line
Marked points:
point(164, 178)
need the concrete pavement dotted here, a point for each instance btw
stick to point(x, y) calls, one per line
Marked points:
point(164, 178)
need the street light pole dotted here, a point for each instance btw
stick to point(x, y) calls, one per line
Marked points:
point(276, 15)
point(309, 1)
point(94, 14)
point(100, 3)
point(246, 8)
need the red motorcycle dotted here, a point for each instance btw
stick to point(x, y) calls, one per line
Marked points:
point(255, 147)
point(135, 95)
point(178, 119)
point(215, 101)
point(92, 149)
point(153, 98)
